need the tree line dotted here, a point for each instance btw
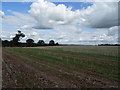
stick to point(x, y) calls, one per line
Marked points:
point(29, 42)
point(108, 44)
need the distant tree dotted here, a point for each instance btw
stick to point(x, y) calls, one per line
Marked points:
point(40, 43)
point(51, 42)
point(5, 43)
point(30, 42)
point(57, 43)
point(17, 38)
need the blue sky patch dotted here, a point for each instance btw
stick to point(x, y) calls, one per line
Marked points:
point(23, 7)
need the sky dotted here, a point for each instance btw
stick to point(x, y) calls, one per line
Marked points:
point(87, 23)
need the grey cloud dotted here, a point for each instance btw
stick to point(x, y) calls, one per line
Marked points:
point(100, 15)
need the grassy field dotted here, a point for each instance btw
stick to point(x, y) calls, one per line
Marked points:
point(96, 65)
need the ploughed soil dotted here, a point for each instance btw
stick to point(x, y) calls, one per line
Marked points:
point(17, 73)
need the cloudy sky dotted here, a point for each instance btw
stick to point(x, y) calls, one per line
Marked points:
point(65, 22)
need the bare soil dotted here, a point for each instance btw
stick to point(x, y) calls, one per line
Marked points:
point(20, 74)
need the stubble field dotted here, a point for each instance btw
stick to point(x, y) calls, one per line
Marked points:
point(60, 67)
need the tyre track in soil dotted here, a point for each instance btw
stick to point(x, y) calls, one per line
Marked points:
point(48, 79)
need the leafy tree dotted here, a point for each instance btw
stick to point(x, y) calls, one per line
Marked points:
point(17, 38)
point(30, 42)
point(5, 43)
point(51, 42)
point(57, 43)
point(41, 43)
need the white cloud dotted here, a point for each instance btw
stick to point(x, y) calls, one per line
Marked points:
point(100, 15)
point(113, 31)
point(49, 15)
point(19, 20)
point(2, 13)
point(26, 27)
point(62, 23)
point(46, 15)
